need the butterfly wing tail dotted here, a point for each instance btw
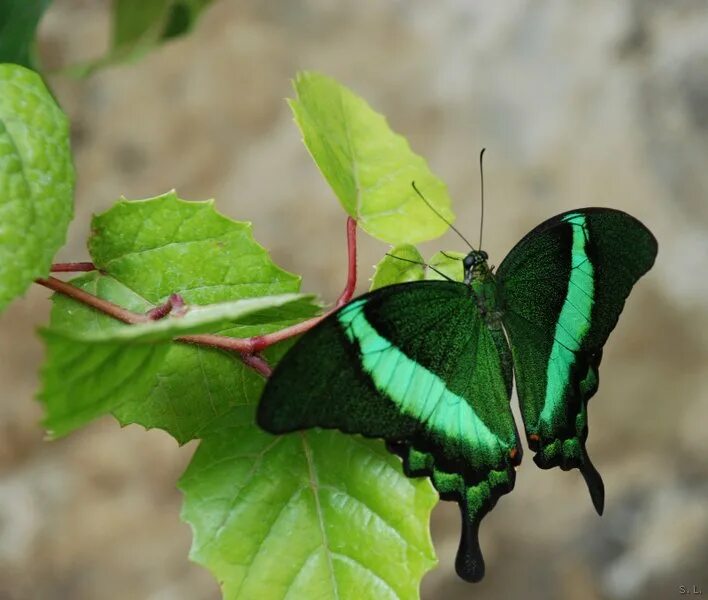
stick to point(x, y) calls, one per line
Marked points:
point(594, 482)
point(469, 562)
point(475, 501)
point(478, 500)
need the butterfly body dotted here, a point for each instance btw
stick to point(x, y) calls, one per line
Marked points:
point(427, 366)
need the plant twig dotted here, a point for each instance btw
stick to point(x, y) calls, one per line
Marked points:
point(173, 305)
point(72, 267)
point(257, 363)
point(104, 306)
point(248, 348)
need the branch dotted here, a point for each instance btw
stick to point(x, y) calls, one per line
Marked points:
point(72, 267)
point(174, 305)
point(104, 306)
point(174, 302)
point(247, 348)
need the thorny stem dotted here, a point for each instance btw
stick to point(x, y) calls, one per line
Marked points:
point(248, 348)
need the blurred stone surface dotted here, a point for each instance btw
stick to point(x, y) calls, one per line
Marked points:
point(579, 104)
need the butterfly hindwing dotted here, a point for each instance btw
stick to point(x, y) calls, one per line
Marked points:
point(562, 289)
point(416, 365)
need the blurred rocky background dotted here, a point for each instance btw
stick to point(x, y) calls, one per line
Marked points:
point(578, 104)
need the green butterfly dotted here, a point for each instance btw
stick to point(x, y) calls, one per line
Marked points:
point(426, 365)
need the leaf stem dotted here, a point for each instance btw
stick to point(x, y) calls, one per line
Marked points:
point(104, 306)
point(257, 363)
point(173, 305)
point(248, 348)
point(72, 267)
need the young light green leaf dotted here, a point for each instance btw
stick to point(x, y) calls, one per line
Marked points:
point(450, 265)
point(314, 514)
point(369, 167)
point(140, 26)
point(401, 263)
point(36, 180)
point(84, 379)
point(151, 248)
point(18, 24)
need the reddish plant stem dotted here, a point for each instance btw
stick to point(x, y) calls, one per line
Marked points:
point(174, 302)
point(72, 267)
point(173, 305)
point(248, 348)
point(260, 342)
point(257, 363)
point(104, 306)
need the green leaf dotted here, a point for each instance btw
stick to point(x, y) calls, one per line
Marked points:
point(329, 511)
point(18, 24)
point(450, 265)
point(140, 26)
point(392, 270)
point(90, 373)
point(307, 515)
point(84, 379)
point(198, 319)
point(36, 180)
point(163, 245)
point(149, 249)
point(369, 167)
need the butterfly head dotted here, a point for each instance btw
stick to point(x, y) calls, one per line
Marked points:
point(475, 262)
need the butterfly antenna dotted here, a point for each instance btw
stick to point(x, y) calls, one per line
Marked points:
point(481, 183)
point(422, 264)
point(431, 207)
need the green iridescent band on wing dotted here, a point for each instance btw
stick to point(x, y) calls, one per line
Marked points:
point(562, 289)
point(423, 395)
point(418, 392)
point(572, 325)
point(430, 379)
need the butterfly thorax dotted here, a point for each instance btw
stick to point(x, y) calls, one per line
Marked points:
point(480, 278)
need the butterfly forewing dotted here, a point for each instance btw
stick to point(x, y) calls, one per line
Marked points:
point(416, 365)
point(562, 289)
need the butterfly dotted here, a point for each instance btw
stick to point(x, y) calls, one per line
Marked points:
point(428, 365)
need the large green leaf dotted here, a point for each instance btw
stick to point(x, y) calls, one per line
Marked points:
point(141, 25)
point(83, 379)
point(163, 245)
point(36, 180)
point(151, 248)
point(369, 167)
point(18, 24)
point(307, 515)
point(90, 373)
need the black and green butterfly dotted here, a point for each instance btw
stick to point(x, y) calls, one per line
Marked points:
point(427, 367)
